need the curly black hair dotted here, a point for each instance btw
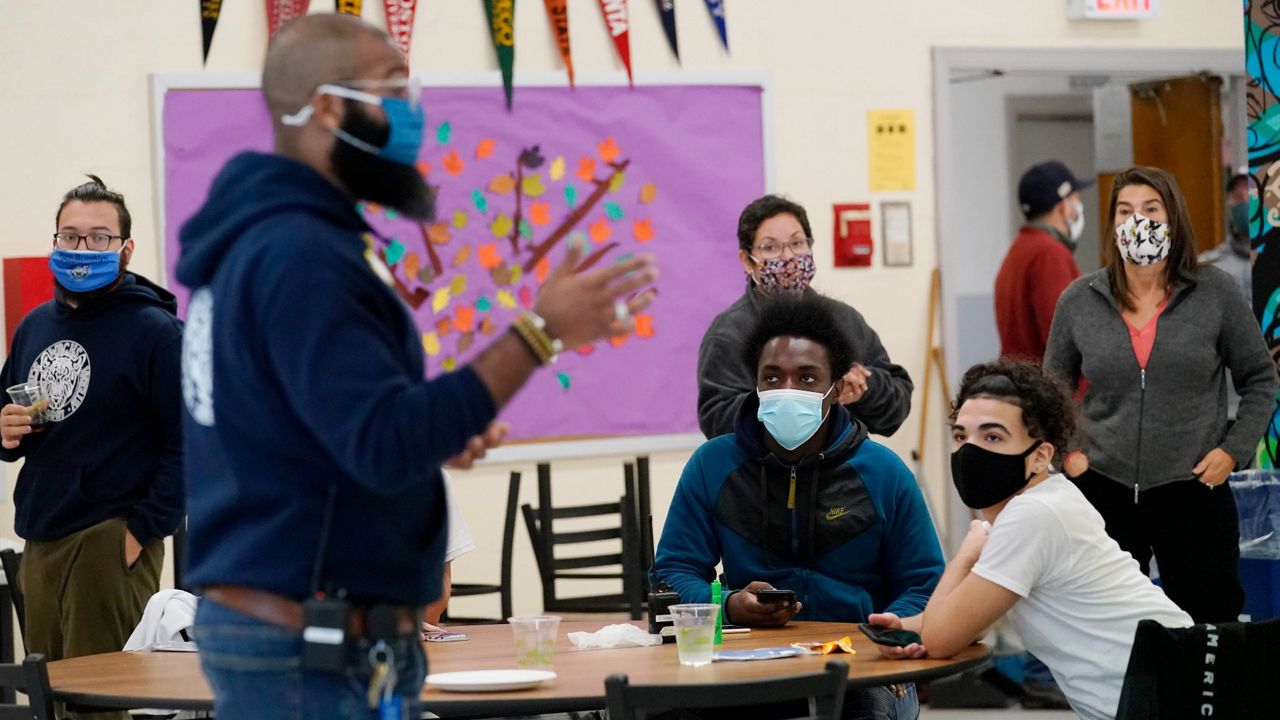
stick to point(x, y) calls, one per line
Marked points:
point(812, 317)
point(96, 191)
point(1048, 409)
point(762, 209)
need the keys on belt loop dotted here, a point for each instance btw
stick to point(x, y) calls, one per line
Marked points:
point(382, 681)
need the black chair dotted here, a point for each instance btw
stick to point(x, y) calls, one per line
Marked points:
point(624, 565)
point(32, 678)
point(824, 691)
point(503, 588)
point(12, 562)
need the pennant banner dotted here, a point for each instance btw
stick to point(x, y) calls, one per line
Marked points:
point(668, 10)
point(558, 15)
point(280, 12)
point(716, 8)
point(400, 21)
point(350, 7)
point(502, 30)
point(619, 24)
point(209, 12)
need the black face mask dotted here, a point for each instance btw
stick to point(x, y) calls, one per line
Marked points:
point(374, 178)
point(984, 478)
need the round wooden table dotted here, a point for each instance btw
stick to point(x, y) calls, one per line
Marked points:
point(173, 680)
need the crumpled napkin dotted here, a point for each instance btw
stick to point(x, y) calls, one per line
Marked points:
point(614, 636)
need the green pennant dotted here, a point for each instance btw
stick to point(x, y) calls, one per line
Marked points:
point(502, 23)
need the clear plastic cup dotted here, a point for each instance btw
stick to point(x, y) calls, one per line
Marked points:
point(535, 637)
point(695, 625)
point(31, 396)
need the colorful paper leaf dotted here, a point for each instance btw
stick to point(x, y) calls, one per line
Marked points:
point(501, 225)
point(540, 213)
point(526, 297)
point(644, 325)
point(464, 254)
point(642, 230)
point(466, 341)
point(440, 300)
point(459, 219)
point(648, 192)
point(517, 272)
point(531, 157)
point(431, 344)
point(478, 199)
point(541, 270)
point(616, 180)
point(483, 304)
point(556, 170)
point(613, 210)
point(506, 299)
point(453, 163)
point(586, 169)
point(570, 195)
point(449, 364)
point(412, 265)
point(394, 252)
point(600, 231)
point(502, 184)
point(585, 350)
point(608, 149)
point(488, 256)
point(485, 148)
point(427, 274)
point(458, 285)
point(617, 340)
point(424, 167)
point(464, 319)
point(564, 380)
point(439, 233)
point(487, 325)
point(391, 214)
point(444, 132)
point(526, 230)
point(444, 326)
point(532, 185)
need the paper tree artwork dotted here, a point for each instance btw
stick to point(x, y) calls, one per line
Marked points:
point(658, 170)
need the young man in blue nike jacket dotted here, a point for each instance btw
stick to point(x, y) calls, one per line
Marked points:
point(799, 499)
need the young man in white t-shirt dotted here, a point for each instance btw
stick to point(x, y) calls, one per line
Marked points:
point(1041, 555)
point(459, 543)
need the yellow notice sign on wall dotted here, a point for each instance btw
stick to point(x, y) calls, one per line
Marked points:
point(891, 150)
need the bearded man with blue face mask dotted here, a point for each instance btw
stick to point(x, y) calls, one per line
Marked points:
point(101, 483)
point(314, 441)
point(798, 498)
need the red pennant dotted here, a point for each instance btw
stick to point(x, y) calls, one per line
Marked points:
point(558, 14)
point(280, 12)
point(617, 19)
point(400, 21)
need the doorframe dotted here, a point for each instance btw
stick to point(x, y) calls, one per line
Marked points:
point(1057, 61)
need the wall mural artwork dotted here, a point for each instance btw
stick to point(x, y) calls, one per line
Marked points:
point(659, 170)
point(1262, 63)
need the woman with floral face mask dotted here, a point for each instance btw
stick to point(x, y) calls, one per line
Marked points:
point(1152, 333)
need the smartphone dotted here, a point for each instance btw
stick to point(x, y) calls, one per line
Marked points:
point(445, 636)
point(775, 595)
point(892, 637)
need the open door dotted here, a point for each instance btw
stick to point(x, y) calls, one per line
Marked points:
point(1177, 126)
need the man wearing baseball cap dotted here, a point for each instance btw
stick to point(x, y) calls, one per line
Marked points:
point(1039, 265)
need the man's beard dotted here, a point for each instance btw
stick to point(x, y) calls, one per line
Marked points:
point(374, 178)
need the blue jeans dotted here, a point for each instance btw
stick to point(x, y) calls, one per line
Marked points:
point(255, 670)
point(880, 703)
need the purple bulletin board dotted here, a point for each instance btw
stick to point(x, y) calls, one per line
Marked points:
point(658, 169)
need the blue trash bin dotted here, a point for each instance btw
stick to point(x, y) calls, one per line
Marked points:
point(1257, 494)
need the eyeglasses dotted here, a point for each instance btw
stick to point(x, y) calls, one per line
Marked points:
point(94, 241)
point(772, 249)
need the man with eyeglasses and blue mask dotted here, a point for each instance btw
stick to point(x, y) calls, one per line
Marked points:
point(775, 246)
point(314, 442)
point(799, 499)
point(101, 482)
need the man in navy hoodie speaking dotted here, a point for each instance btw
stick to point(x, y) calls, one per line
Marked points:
point(798, 498)
point(101, 482)
point(314, 443)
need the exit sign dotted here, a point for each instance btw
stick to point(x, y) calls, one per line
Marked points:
point(1111, 9)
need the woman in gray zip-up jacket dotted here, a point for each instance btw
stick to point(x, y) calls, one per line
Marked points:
point(1153, 335)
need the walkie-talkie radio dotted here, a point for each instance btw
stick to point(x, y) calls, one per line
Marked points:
point(661, 598)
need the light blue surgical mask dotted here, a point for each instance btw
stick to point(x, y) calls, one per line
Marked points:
point(792, 416)
point(84, 270)
point(406, 121)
